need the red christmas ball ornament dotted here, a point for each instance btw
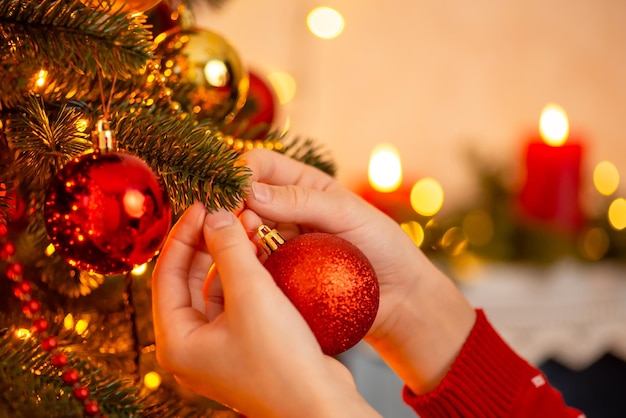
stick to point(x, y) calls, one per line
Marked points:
point(107, 212)
point(259, 111)
point(329, 280)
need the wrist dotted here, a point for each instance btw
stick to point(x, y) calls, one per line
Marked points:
point(427, 328)
point(320, 394)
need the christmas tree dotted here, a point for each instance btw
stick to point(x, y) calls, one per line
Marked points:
point(101, 109)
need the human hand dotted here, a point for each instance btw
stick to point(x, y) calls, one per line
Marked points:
point(258, 356)
point(422, 319)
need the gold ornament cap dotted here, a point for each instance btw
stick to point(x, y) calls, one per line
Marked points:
point(103, 138)
point(269, 239)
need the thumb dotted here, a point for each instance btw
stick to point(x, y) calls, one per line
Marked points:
point(234, 256)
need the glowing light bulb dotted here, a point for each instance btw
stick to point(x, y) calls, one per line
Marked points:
point(152, 380)
point(81, 326)
point(553, 125)
point(385, 168)
point(325, 22)
point(139, 270)
point(68, 321)
point(40, 78)
point(22, 333)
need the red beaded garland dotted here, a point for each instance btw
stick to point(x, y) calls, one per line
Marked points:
point(14, 269)
point(81, 392)
point(31, 307)
point(49, 343)
point(70, 376)
point(59, 361)
point(40, 325)
point(92, 408)
point(7, 250)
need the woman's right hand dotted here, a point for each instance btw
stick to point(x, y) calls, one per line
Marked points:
point(423, 319)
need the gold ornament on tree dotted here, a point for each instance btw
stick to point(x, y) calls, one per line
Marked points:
point(210, 67)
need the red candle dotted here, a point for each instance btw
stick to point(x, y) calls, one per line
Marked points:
point(551, 191)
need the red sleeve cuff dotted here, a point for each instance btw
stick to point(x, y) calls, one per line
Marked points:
point(487, 376)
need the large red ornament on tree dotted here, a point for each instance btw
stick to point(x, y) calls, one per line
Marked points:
point(329, 280)
point(107, 212)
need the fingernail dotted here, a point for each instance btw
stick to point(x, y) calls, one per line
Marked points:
point(219, 219)
point(261, 192)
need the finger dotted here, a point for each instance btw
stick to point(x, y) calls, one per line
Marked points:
point(200, 265)
point(213, 295)
point(234, 257)
point(170, 287)
point(330, 211)
point(272, 167)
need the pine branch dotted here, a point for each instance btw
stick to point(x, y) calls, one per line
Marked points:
point(71, 43)
point(308, 152)
point(44, 141)
point(33, 382)
point(192, 160)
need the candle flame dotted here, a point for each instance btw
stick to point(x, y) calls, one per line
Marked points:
point(553, 125)
point(385, 169)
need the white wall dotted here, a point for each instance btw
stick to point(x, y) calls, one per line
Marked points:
point(439, 77)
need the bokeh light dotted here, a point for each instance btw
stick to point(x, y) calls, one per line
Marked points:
point(22, 333)
point(617, 214)
point(385, 169)
point(284, 85)
point(325, 22)
point(553, 125)
point(427, 196)
point(606, 178)
point(478, 227)
point(81, 326)
point(454, 241)
point(68, 321)
point(216, 73)
point(415, 231)
point(594, 244)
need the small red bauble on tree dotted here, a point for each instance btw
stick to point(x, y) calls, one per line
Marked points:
point(260, 108)
point(329, 280)
point(107, 211)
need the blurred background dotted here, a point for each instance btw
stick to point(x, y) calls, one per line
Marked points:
point(529, 219)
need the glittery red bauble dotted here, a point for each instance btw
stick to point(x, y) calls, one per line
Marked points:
point(107, 212)
point(331, 283)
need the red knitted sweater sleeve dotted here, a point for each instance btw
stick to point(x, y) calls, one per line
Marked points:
point(488, 379)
